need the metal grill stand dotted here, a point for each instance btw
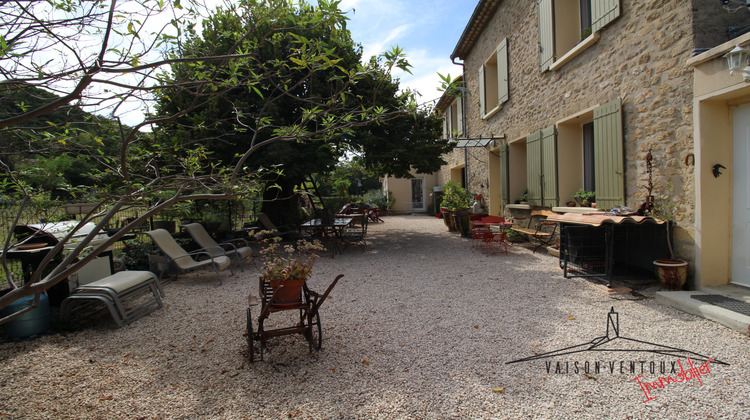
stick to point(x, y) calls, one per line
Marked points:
point(618, 247)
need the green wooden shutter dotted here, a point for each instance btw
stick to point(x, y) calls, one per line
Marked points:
point(534, 168)
point(449, 118)
point(504, 174)
point(460, 116)
point(549, 167)
point(609, 160)
point(481, 91)
point(502, 71)
point(546, 34)
point(603, 12)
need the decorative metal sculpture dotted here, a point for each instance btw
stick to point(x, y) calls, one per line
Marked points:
point(648, 206)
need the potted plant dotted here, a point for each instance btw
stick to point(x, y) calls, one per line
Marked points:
point(457, 201)
point(288, 266)
point(672, 272)
point(524, 198)
point(584, 198)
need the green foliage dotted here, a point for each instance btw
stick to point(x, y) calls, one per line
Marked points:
point(455, 197)
point(68, 147)
point(135, 255)
point(586, 197)
point(377, 198)
point(452, 86)
point(391, 200)
point(354, 172)
point(304, 82)
point(666, 207)
point(280, 77)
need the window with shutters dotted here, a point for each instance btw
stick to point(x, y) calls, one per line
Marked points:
point(590, 155)
point(517, 170)
point(575, 137)
point(568, 27)
point(541, 167)
point(453, 120)
point(493, 81)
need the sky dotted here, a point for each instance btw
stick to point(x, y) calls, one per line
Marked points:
point(428, 31)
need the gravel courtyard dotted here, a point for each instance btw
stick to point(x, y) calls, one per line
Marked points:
point(420, 327)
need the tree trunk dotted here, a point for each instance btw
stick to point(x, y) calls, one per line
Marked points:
point(280, 202)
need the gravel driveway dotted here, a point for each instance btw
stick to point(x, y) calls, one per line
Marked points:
point(421, 326)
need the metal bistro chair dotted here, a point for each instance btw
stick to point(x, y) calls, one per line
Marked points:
point(494, 238)
point(355, 235)
point(308, 325)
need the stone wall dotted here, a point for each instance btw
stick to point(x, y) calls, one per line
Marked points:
point(640, 57)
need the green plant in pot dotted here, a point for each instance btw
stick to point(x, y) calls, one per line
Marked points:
point(672, 272)
point(584, 198)
point(524, 198)
point(456, 201)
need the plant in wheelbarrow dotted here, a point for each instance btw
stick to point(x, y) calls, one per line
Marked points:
point(287, 265)
point(672, 272)
point(285, 269)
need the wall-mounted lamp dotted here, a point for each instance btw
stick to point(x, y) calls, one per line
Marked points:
point(737, 61)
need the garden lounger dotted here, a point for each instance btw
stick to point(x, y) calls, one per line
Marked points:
point(128, 295)
point(285, 231)
point(182, 259)
point(237, 248)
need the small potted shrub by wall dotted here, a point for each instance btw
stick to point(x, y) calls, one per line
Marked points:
point(524, 198)
point(672, 272)
point(584, 198)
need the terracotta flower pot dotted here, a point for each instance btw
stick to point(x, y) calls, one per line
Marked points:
point(671, 273)
point(448, 220)
point(291, 293)
point(462, 222)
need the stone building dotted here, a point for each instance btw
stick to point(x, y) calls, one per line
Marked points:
point(569, 95)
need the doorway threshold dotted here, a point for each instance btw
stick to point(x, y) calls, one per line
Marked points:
point(686, 301)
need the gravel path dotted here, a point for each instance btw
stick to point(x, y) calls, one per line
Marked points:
point(421, 326)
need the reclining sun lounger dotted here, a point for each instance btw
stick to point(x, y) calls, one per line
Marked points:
point(184, 260)
point(128, 295)
point(236, 248)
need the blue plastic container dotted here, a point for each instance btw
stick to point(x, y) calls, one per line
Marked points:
point(29, 324)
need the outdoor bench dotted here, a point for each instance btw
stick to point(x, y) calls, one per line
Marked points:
point(539, 228)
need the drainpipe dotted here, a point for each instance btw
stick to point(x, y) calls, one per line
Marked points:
point(463, 121)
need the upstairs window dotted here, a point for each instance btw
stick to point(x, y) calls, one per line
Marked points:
point(567, 27)
point(493, 81)
point(453, 122)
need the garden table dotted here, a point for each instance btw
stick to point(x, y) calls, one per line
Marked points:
point(329, 232)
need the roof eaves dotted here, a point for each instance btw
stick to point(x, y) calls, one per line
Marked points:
point(482, 14)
